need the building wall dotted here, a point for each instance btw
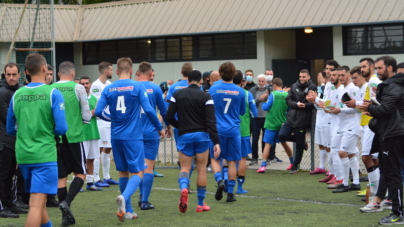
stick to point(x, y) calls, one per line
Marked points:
point(279, 44)
point(171, 70)
point(352, 60)
point(4, 47)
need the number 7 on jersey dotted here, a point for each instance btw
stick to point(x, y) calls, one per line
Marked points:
point(228, 101)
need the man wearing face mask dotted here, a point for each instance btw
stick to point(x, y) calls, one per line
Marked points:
point(270, 75)
point(250, 76)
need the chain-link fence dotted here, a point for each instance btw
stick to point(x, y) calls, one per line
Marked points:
point(168, 155)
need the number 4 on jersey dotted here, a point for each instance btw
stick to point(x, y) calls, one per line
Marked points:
point(120, 105)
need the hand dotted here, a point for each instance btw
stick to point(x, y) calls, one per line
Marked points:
point(216, 151)
point(263, 96)
point(335, 110)
point(367, 113)
point(320, 104)
point(93, 112)
point(301, 105)
point(365, 106)
point(351, 104)
point(168, 131)
point(374, 89)
point(286, 89)
point(162, 134)
point(311, 96)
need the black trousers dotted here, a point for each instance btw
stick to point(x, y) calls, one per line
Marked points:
point(299, 137)
point(390, 169)
point(7, 170)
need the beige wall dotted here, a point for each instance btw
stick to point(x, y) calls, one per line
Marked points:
point(279, 44)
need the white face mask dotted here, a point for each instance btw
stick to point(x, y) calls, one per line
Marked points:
point(269, 78)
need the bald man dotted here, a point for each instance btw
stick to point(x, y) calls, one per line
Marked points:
point(214, 76)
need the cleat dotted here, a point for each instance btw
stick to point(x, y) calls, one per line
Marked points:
point(335, 185)
point(327, 178)
point(318, 171)
point(261, 169)
point(101, 184)
point(327, 173)
point(277, 159)
point(253, 162)
point(363, 200)
point(203, 208)
point(341, 188)
point(20, 203)
point(355, 187)
point(110, 181)
point(146, 206)
point(67, 216)
point(209, 169)
point(183, 204)
point(52, 202)
point(372, 207)
point(293, 170)
point(289, 167)
point(392, 219)
point(219, 191)
point(130, 216)
point(120, 200)
point(17, 210)
point(269, 161)
point(361, 193)
point(6, 213)
point(92, 187)
point(157, 174)
point(332, 181)
point(241, 191)
point(81, 190)
point(248, 158)
point(230, 198)
point(386, 204)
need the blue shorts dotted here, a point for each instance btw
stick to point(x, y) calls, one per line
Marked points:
point(230, 148)
point(128, 155)
point(151, 149)
point(271, 137)
point(176, 135)
point(194, 143)
point(245, 146)
point(40, 178)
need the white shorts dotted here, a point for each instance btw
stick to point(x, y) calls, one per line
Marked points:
point(317, 137)
point(326, 136)
point(348, 143)
point(105, 137)
point(336, 142)
point(91, 149)
point(367, 139)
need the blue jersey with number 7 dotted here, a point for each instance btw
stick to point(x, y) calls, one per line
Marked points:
point(126, 98)
point(229, 104)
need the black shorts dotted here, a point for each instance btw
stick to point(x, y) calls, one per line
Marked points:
point(71, 158)
point(375, 144)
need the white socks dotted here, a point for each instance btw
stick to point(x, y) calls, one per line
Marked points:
point(353, 162)
point(336, 161)
point(330, 164)
point(106, 163)
point(374, 178)
point(323, 158)
point(345, 170)
point(96, 170)
point(90, 178)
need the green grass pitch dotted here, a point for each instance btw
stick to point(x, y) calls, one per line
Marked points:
point(275, 198)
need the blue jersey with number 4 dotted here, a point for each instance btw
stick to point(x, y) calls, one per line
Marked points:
point(125, 99)
point(229, 104)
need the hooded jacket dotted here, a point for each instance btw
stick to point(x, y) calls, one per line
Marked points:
point(6, 93)
point(299, 117)
point(389, 114)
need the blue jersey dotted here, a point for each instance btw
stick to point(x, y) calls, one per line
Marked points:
point(229, 104)
point(156, 100)
point(177, 86)
point(126, 98)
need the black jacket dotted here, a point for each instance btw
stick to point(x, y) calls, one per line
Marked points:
point(6, 93)
point(248, 86)
point(389, 115)
point(298, 117)
point(195, 111)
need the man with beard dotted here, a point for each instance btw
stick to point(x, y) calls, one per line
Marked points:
point(104, 127)
point(389, 126)
point(299, 116)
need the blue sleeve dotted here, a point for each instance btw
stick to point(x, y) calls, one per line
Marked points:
point(168, 97)
point(162, 106)
point(101, 105)
point(149, 111)
point(266, 106)
point(11, 120)
point(242, 107)
point(251, 104)
point(58, 112)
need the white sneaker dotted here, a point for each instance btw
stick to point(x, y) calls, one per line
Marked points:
point(130, 216)
point(386, 204)
point(120, 200)
point(371, 208)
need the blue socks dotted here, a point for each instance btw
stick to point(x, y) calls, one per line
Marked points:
point(183, 180)
point(241, 180)
point(47, 224)
point(147, 186)
point(225, 177)
point(218, 176)
point(291, 160)
point(264, 163)
point(201, 194)
point(230, 186)
point(130, 188)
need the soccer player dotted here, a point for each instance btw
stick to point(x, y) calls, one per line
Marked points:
point(104, 127)
point(126, 98)
point(348, 134)
point(244, 131)
point(229, 105)
point(92, 137)
point(151, 137)
point(197, 126)
point(71, 156)
point(276, 116)
point(49, 75)
point(36, 114)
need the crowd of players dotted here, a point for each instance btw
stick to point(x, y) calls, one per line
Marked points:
point(65, 121)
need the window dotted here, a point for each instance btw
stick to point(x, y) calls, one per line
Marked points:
point(166, 49)
point(374, 39)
